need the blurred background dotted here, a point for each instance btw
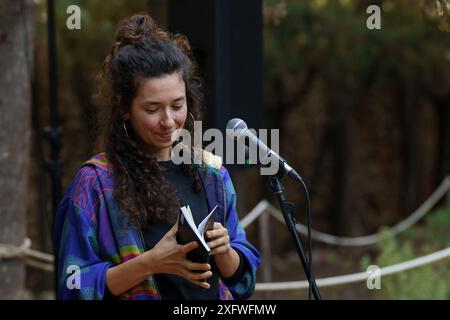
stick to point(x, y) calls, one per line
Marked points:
point(364, 117)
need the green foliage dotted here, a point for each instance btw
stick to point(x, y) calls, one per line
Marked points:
point(362, 89)
point(325, 32)
point(439, 223)
point(426, 282)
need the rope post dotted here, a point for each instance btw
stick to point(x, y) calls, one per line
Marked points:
point(17, 25)
point(266, 250)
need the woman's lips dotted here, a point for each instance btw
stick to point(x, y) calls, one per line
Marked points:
point(165, 136)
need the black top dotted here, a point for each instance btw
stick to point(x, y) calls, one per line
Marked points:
point(173, 287)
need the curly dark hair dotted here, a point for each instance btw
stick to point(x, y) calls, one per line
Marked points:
point(142, 50)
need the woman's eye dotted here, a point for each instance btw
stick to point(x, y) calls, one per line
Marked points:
point(151, 110)
point(177, 107)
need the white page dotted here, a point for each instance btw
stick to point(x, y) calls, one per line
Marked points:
point(202, 225)
point(188, 215)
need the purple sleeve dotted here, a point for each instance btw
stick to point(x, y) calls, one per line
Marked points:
point(81, 273)
point(245, 286)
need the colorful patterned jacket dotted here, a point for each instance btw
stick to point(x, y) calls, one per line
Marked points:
point(90, 234)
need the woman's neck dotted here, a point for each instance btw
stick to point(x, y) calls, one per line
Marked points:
point(163, 155)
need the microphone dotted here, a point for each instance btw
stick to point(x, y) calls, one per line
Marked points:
point(238, 128)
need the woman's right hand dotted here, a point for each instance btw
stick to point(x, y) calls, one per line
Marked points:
point(167, 256)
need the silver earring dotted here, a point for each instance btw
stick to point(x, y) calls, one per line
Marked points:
point(125, 129)
point(193, 119)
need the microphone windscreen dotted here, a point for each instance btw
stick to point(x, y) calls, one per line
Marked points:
point(236, 124)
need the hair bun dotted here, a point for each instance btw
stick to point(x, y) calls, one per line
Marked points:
point(137, 26)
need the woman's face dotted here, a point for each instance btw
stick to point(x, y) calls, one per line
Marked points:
point(158, 112)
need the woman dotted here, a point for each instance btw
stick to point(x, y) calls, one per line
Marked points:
point(117, 222)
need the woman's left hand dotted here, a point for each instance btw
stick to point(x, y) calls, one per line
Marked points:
point(226, 258)
point(218, 239)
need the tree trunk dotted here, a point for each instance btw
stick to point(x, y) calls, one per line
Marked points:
point(339, 207)
point(407, 104)
point(16, 26)
point(341, 104)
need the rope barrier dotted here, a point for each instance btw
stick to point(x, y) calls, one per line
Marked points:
point(40, 265)
point(419, 213)
point(37, 255)
point(33, 258)
point(44, 261)
point(272, 286)
point(356, 277)
point(9, 251)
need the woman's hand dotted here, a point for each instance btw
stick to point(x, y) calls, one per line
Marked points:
point(167, 256)
point(218, 239)
point(226, 258)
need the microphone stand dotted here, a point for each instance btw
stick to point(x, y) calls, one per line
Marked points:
point(287, 209)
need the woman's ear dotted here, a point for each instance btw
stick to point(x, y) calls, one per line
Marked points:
point(125, 115)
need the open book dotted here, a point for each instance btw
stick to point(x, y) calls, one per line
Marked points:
point(188, 231)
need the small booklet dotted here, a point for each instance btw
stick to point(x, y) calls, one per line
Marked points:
point(188, 231)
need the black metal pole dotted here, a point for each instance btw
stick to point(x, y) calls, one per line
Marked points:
point(52, 132)
point(287, 209)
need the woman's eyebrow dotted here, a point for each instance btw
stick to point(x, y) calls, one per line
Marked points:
point(156, 102)
point(179, 99)
point(151, 102)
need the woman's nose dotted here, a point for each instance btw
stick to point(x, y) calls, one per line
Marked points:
point(167, 119)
